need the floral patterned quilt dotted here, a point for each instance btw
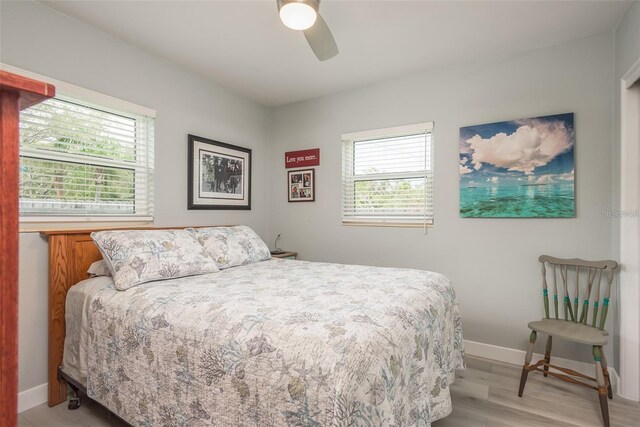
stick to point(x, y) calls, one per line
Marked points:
point(278, 343)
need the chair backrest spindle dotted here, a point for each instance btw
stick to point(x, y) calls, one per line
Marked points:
point(605, 300)
point(576, 296)
point(585, 303)
point(555, 291)
point(573, 310)
point(545, 291)
point(566, 300)
point(597, 299)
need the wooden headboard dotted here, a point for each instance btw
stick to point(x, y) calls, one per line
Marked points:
point(71, 253)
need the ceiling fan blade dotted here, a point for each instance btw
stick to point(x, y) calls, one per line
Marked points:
point(321, 40)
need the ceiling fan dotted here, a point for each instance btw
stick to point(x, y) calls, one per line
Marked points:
point(303, 15)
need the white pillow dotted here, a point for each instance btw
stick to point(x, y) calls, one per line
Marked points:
point(140, 256)
point(232, 246)
point(99, 268)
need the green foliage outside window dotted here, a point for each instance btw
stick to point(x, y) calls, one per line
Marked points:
point(72, 153)
point(404, 196)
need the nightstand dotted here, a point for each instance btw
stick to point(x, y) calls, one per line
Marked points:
point(286, 255)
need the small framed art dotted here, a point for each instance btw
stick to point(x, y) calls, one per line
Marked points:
point(301, 185)
point(219, 175)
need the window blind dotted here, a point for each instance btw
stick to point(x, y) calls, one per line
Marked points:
point(80, 159)
point(387, 176)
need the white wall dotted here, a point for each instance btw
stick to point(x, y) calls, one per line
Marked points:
point(492, 262)
point(66, 50)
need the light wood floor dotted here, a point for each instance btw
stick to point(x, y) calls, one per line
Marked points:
point(484, 394)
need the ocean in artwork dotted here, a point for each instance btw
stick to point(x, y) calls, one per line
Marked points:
point(513, 201)
point(518, 169)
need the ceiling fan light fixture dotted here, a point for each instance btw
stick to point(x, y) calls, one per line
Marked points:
point(299, 15)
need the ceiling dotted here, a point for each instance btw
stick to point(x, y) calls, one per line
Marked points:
point(243, 45)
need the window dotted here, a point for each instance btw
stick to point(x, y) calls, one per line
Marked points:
point(86, 159)
point(387, 176)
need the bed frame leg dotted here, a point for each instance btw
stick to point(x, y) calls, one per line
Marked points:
point(74, 402)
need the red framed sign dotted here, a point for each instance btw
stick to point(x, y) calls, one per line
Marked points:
point(302, 158)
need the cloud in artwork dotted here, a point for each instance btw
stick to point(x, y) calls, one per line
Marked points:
point(465, 170)
point(569, 176)
point(534, 144)
point(545, 179)
point(551, 178)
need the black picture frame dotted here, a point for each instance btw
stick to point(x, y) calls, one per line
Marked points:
point(218, 175)
point(301, 185)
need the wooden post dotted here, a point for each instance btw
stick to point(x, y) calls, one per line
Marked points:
point(16, 93)
point(8, 255)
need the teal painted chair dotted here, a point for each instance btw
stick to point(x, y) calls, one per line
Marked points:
point(577, 324)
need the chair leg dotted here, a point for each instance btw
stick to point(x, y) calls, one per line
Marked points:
point(547, 354)
point(607, 378)
point(527, 361)
point(602, 385)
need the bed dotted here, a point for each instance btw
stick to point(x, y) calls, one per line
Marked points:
point(272, 343)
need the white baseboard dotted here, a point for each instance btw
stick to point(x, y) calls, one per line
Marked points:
point(516, 357)
point(33, 397)
point(615, 380)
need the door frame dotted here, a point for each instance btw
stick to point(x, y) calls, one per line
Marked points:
point(630, 234)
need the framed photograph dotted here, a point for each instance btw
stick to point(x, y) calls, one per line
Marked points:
point(219, 175)
point(301, 185)
point(518, 169)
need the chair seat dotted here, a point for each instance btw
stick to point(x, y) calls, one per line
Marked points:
point(576, 332)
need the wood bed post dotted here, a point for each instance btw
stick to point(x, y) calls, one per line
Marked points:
point(70, 255)
point(57, 298)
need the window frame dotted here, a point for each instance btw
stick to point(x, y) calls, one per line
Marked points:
point(350, 177)
point(89, 98)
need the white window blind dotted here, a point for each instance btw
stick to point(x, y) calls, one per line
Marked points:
point(79, 159)
point(387, 176)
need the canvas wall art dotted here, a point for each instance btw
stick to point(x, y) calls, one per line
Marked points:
point(518, 169)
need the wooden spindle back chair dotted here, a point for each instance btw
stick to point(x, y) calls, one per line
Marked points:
point(578, 288)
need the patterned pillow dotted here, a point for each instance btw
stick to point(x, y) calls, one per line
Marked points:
point(140, 256)
point(232, 246)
